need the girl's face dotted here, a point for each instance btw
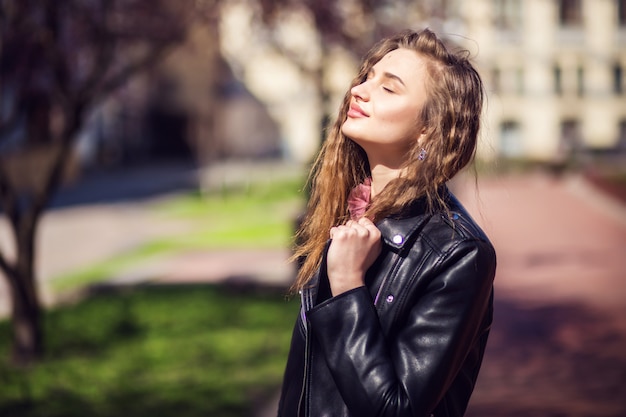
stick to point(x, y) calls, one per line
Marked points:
point(384, 110)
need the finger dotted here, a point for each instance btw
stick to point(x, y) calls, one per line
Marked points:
point(364, 221)
point(355, 228)
point(370, 226)
point(339, 231)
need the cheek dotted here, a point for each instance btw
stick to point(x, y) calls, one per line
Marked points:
point(404, 118)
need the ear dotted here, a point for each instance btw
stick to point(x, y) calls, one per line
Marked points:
point(421, 139)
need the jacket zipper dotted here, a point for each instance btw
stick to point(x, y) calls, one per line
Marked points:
point(385, 279)
point(395, 265)
point(307, 343)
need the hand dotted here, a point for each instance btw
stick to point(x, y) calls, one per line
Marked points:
point(353, 249)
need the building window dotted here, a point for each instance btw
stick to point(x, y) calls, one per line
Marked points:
point(558, 80)
point(510, 140)
point(580, 81)
point(621, 13)
point(509, 81)
point(621, 140)
point(496, 80)
point(507, 14)
point(570, 13)
point(571, 141)
point(519, 81)
point(618, 79)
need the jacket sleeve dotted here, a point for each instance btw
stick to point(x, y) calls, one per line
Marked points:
point(407, 376)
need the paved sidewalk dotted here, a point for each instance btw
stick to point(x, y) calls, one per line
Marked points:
point(75, 237)
point(558, 341)
point(268, 267)
point(556, 240)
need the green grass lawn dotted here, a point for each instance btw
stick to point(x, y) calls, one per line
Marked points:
point(259, 215)
point(155, 351)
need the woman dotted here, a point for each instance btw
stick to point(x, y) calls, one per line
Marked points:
point(397, 305)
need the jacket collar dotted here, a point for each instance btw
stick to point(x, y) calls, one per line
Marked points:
point(402, 229)
point(398, 232)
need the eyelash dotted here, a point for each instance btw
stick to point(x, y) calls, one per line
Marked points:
point(387, 89)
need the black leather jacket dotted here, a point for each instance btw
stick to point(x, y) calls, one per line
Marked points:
point(408, 343)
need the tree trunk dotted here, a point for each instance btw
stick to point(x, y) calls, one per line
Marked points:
point(26, 310)
point(26, 321)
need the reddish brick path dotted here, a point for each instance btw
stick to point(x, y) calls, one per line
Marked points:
point(558, 343)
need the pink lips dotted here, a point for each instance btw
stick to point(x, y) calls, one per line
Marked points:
point(356, 111)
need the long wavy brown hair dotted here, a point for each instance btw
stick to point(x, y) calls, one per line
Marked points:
point(451, 117)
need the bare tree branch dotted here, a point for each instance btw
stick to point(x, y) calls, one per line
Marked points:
point(122, 76)
point(104, 56)
point(10, 121)
point(55, 174)
point(8, 198)
point(6, 268)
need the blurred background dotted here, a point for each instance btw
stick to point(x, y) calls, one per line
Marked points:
point(153, 159)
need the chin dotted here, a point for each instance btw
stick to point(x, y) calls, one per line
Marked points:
point(362, 144)
point(344, 129)
point(350, 133)
point(353, 138)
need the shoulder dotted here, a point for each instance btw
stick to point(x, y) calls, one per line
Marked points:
point(456, 227)
point(443, 230)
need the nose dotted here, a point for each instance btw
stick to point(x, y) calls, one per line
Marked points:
point(360, 91)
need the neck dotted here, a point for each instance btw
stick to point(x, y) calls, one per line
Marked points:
point(381, 176)
point(385, 165)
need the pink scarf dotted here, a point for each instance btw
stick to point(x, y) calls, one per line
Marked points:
point(359, 199)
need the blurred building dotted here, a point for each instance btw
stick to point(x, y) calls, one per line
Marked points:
point(554, 72)
point(189, 107)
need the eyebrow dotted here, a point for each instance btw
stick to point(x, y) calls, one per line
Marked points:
point(393, 77)
point(389, 75)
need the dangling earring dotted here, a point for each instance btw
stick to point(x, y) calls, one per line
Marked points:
point(422, 155)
